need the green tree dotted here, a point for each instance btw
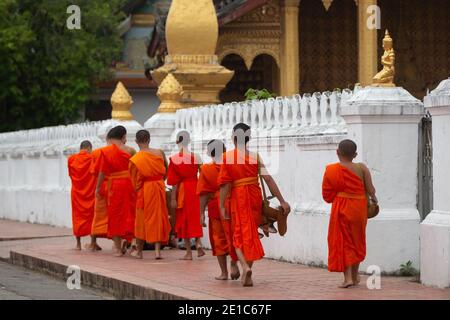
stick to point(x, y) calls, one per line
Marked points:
point(48, 72)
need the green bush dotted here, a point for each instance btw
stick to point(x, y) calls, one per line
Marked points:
point(255, 94)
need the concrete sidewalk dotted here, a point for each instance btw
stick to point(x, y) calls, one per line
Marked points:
point(172, 278)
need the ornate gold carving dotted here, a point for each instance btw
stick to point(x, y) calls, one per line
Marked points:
point(385, 78)
point(170, 93)
point(255, 33)
point(121, 102)
point(196, 59)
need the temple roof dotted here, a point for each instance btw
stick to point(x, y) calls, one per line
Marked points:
point(227, 11)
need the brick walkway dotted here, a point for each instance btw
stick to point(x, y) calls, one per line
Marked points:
point(172, 278)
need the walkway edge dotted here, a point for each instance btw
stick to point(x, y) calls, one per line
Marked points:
point(118, 288)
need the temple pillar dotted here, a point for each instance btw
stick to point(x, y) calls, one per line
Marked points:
point(435, 229)
point(289, 57)
point(367, 44)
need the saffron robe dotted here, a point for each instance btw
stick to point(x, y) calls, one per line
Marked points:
point(152, 218)
point(241, 170)
point(347, 229)
point(183, 171)
point(220, 234)
point(121, 197)
point(100, 221)
point(82, 193)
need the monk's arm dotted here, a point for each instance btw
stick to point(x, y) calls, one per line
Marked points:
point(204, 199)
point(369, 184)
point(101, 177)
point(173, 197)
point(272, 185)
point(166, 164)
point(224, 192)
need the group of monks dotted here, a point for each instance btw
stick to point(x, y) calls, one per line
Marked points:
point(120, 194)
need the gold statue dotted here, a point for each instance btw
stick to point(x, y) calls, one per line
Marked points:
point(385, 78)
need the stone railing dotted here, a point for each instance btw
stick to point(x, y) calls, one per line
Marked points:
point(48, 140)
point(310, 114)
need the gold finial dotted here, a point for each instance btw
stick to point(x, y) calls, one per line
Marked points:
point(170, 93)
point(121, 102)
point(385, 78)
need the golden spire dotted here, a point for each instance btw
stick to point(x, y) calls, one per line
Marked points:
point(121, 102)
point(170, 93)
point(385, 78)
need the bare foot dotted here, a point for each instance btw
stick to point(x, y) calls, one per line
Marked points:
point(222, 277)
point(187, 257)
point(235, 274)
point(78, 247)
point(136, 254)
point(346, 285)
point(247, 278)
point(200, 252)
point(92, 247)
point(357, 280)
point(118, 253)
point(124, 247)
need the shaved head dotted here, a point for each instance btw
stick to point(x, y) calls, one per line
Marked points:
point(347, 149)
point(142, 136)
point(86, 145)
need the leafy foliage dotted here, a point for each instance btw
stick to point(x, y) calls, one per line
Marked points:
point(407, 269)
point(254, 94)
point(48, 72)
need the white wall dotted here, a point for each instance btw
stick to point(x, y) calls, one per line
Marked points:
point(296, 136)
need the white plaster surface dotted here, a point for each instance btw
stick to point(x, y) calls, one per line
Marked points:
point(435, 229)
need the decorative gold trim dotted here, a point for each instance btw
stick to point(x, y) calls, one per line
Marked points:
point(143, 20)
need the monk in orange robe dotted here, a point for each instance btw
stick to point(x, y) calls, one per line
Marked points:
point(343, 186)
point(100, 221)
point(182, 175)
point(121, 198)
point(83, 191)
point(219, 229)
point(148, 170)
point(239, 175)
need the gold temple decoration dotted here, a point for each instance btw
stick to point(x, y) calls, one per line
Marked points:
point(192, 31)
point(385, 78)
point(121, 102)
point(327, 4)
point(170, 93)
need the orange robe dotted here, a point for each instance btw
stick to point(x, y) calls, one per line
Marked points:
point(245, 202)
point(121, 197)
point(183, 172)
point(100, 222)
point(152, 219)
point(82, 194)
point(348, 220)
point(220, 234)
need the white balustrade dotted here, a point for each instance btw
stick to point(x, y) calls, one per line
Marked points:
point(297, 115)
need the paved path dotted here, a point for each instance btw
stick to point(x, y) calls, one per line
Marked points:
point(14, 230)
point(17, 283)
point(172, 278)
